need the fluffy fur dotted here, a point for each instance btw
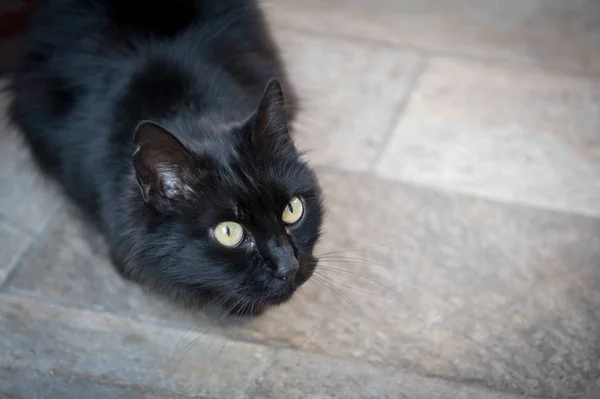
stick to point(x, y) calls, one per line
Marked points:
point(161, 119)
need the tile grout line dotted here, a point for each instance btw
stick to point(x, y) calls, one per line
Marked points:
point(400, 110)
point(12, 264)
point(437, 53)
point(36, 241)
point(28, 234)
point(462, 193)
point(16, 225)
point(99, 380)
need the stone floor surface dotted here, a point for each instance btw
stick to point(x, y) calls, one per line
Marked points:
point(458, 143)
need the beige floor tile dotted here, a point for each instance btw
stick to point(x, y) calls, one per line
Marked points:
point(550, 33)
point(454, 263)
point(121, 352)
point(416, 272)
point(350, 94)
point(512, 134)
point(81, 354)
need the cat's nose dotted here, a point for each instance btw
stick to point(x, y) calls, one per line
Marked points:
point(287, 270)
point(283, 260)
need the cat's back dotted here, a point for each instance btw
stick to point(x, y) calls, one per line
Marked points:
point(82, 56)
point(87, 40)
point(91, 69)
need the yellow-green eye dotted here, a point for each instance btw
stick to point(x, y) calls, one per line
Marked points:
point(293, 211)
point(229, 234)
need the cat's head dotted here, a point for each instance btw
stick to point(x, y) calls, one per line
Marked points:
point(239, 225)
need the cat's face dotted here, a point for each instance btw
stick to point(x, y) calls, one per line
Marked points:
point(242, 228)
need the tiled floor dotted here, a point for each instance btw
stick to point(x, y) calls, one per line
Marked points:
point(458, 142)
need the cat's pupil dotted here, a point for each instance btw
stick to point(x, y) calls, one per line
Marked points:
point(290, 208)
point(227, 231)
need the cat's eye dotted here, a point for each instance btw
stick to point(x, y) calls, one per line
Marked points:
point(229, 234)
point(293, 211)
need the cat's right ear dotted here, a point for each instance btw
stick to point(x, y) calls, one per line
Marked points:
point(271, 125)
point(164, 168)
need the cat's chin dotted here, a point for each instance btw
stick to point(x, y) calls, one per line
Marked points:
point(259, 308)
point(248, 311)
point(278, 299)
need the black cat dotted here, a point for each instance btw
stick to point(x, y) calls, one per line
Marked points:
point(165, 122)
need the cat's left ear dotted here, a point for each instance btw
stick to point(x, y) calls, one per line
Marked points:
point(166, 171)
point(271, 128)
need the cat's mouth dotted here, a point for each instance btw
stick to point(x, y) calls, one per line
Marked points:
point(276, 292)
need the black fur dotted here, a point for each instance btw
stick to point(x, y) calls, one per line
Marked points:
point(161, 119)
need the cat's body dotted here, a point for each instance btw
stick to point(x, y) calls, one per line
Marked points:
point(196, 71)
